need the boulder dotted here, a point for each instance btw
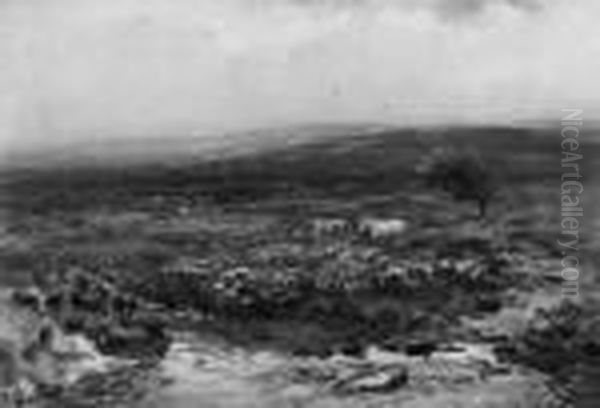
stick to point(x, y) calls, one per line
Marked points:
point(132, 341)
point(488, 303)
point(421, 348)
point(24, 392)
point(31, 298)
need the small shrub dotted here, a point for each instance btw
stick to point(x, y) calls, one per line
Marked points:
point(550, 342)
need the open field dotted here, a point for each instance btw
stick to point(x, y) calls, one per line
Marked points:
point(279, 250)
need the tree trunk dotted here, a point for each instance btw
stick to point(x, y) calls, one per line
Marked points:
point(482, 204)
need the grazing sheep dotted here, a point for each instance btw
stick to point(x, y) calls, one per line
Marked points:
point(376, 228)
point(330, 226)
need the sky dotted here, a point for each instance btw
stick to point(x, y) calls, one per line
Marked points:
point(76, 70)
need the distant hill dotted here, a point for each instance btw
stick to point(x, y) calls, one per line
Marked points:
point(169, 148)
point(313, 161)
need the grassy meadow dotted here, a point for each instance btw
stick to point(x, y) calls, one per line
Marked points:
point(268, 245)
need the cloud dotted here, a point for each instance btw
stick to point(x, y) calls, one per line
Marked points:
point(470, 7)
point(443, 8)
point(80, 69)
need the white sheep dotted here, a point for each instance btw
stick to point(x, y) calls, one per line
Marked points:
point(376, 228)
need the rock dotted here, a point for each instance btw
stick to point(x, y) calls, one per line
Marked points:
point(75, 322)
point(383, 380)
point(493, 335)
point(54, 300)
point(134, 341)
point(488, 304)
point(183, 211)
point(124, 305)
point(31, 298)
point(499, 369)
point(463, 267)
point(189, 266)
point(392, 345)
point(297, 393)
point(352, 348)
point(25, 392)
point(477, 354)
point(452, 348)
point(422, 348)
point(591, 348)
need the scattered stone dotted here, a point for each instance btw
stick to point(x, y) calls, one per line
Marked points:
point(498, 369)
point(469, 354)
point(383, 380)
point(352, 348)
point(31, 298)
point(188, 266)
point(25, 392)
point(452, 348)
point(134, 341)
point(488, 303)
point(422, 348)
point(492, 335)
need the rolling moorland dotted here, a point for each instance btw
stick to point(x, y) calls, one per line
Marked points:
point(331, 246)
